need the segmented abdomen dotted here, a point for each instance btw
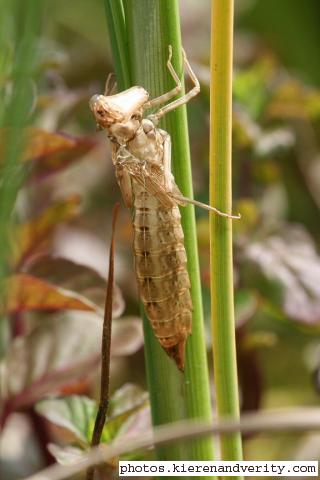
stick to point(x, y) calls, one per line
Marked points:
point(160, 263)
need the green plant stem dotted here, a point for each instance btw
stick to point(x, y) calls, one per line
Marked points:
point(153, 25)
point(223, 326)
point(119, 42)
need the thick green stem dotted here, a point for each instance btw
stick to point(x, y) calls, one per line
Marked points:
point(223, 327)
point(153, 25)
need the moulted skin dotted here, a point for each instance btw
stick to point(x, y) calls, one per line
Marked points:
point(141, 156)
point(161, 269)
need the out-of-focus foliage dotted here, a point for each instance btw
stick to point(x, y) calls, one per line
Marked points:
point(288, 28)
point(127, 417)
point(62, 187)
point(42, 362)
point(49, 151)
point(289, 260)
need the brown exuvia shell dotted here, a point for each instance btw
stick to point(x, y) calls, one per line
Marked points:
point(160, 263)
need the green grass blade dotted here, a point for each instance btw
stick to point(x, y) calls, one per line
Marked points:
point(223, 326)
point(118, 40)
point(19, 27)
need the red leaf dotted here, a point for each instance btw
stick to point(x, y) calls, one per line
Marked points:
point(64, 348)
point(26, 292)
point(32, 233)
point(79, 278)
point(50, 151)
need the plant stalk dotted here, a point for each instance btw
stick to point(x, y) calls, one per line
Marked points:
point(222, 309)
point(105, 348)
point(119, 41)
point(153, 25)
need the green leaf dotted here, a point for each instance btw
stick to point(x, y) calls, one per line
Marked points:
point(128, 405)
point(129, 414)
point(75, 413)
point(250, 87)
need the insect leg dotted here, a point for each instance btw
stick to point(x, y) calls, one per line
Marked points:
point(182, 100)
point(171, 187)
point(185, 200)
point(108, 88)
point(168, 177)
point(124, 182)
point(166, 96)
